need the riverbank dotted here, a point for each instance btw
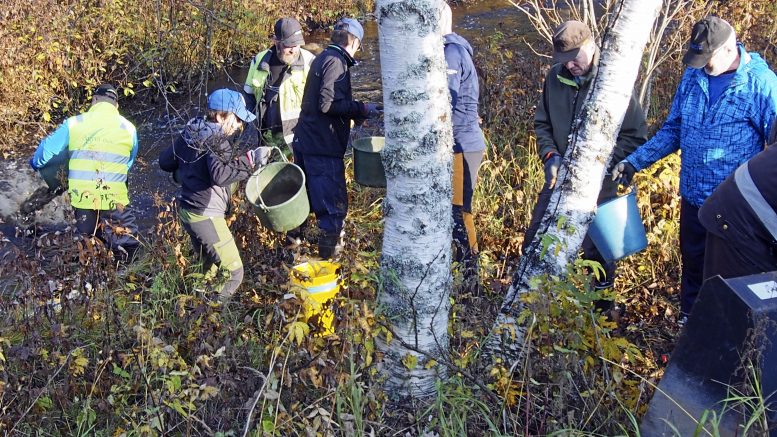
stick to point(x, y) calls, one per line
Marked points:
point(91, 349)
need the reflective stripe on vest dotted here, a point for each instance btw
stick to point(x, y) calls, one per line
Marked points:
point(99, 147)
point(289, 93)
point(756, 200)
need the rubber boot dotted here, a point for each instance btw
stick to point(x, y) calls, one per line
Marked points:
point(328, 246)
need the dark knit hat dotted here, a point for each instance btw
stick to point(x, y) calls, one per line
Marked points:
point(106, 93)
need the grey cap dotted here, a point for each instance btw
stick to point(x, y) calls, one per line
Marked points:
point(352, 26)
point(288, 32)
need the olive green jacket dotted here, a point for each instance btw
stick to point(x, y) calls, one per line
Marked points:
point(561, 100)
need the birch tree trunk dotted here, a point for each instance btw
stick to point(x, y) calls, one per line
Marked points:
point(416, 258)
point(573, 202)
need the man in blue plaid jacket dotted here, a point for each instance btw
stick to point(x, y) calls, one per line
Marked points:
point(720, 117)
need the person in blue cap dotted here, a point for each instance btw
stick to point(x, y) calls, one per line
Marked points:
point(324, 126)
point(206, 162)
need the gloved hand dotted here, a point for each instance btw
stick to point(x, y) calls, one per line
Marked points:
point(372, 110)
point(260, 156)
point(623, 172)
point(552, 164)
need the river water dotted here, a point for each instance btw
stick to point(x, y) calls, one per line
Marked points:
point(158, 122)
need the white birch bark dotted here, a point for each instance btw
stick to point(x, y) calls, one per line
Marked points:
point(416, 257)
point(580, 177)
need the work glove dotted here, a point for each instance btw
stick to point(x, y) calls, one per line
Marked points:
point(623, 172)
point(371, 110)
point(260, 156)
point(552, 164)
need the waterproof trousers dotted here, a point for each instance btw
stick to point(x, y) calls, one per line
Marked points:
point(116, 228)
point(213, 243)
point(325, 182)
point(693, 237)
point(465, 177)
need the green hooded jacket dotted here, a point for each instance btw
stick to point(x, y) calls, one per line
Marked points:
point(558, 107)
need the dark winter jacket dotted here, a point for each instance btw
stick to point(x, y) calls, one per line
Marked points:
point(327, 106)
point(207, 166)
point(465, 92)
point(560, 103)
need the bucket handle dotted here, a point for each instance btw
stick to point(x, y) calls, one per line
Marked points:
point(256, 180)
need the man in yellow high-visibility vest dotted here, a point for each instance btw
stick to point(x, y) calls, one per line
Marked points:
point(101, 147)
point(275, 83)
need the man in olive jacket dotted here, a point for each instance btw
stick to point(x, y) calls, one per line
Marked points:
point(564, 91)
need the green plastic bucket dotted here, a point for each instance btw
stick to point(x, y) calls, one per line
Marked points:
point(55, 171)
point(367, 165)
point(277, 192)
point(617, 229)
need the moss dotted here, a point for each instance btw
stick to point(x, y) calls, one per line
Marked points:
point(416, 16)
point(411, 119)
point(406, 97)
point(424, 66)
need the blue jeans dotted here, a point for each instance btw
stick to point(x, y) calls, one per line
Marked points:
point(325, 182)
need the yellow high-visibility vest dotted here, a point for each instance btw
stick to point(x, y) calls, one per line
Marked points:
point(289, 93)
point(99, 147)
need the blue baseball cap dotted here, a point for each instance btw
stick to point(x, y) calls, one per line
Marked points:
point(352, 26)
point(230, 101)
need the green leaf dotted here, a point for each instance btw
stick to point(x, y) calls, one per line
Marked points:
point(176, 405)
point(120, 372)
point(410, 361)
point(44, 403)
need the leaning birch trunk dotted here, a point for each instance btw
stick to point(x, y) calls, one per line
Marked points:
point(573, 202)
point(416, 259)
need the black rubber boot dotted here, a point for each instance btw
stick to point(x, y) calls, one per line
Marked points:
point(328, 246)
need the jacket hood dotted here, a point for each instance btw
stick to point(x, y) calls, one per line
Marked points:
point(752, 62)
point(199, 134)
point(454, 38)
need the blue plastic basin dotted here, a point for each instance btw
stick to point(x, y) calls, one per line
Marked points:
point(617, 229)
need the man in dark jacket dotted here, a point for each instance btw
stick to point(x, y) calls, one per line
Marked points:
point(468, 142)
point(206, 163)
point(564, 91)
point(740, 218)
point(324, 126)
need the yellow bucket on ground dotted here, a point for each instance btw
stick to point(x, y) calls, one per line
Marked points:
point(321, 282)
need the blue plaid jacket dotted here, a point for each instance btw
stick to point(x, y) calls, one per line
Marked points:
point(715, 140)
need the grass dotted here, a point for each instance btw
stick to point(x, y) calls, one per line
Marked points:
point(144, 352)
